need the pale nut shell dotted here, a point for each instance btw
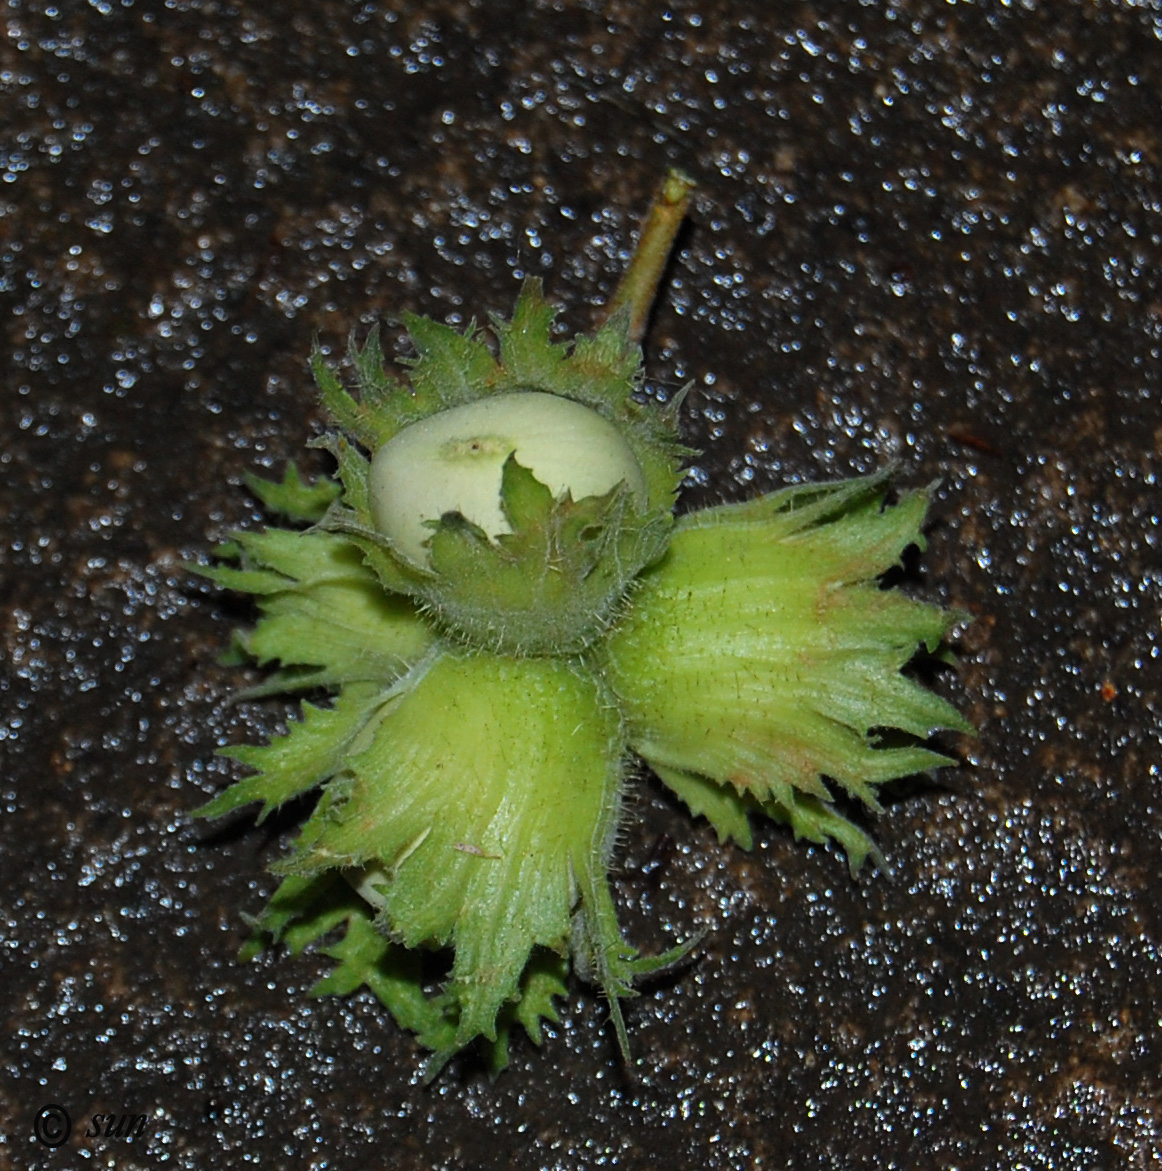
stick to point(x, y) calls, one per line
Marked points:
point(454, 461)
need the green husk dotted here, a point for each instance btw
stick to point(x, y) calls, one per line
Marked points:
point(469, 751)
point(306, 911)
point(482, 793)
point(529, 592)
point(763, 655)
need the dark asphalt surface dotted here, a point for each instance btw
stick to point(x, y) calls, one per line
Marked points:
point(925, 232)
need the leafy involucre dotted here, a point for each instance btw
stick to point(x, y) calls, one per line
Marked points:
point(762, 654)
point(453, 369)
point(326, 617)
point(572, 559)
point(305, 911)
point(311, 752)
point(470, 762)
point(295, 498)
point(482, 801)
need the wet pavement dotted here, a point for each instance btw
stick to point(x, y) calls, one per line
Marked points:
point(929, 233)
